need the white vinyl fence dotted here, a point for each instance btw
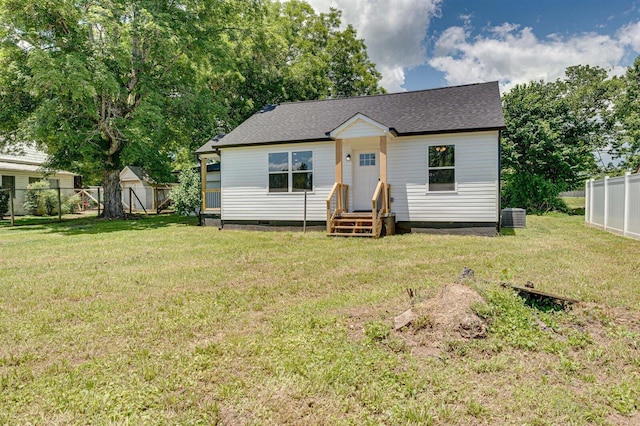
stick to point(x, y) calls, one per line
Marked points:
point(613, 204)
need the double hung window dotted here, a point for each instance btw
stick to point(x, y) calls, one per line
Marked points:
point(442, 168)
point(291, 171)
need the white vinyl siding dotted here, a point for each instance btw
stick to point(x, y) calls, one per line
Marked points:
point(359, 129)
point(476, 170)
point(213, 180)
point(244, 181)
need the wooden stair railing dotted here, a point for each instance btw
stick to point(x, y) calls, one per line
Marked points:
point(337, 203)
point(340, 222)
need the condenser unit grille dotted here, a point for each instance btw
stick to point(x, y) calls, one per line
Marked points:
point(514, 218)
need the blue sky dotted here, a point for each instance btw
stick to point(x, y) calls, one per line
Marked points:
point(421, 44)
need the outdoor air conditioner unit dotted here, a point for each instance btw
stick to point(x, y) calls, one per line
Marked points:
point(514, 218)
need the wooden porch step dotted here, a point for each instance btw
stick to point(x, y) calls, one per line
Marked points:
point(353, 224)
point(354, 221)
point(369, 227)
point(349, 234)
point(355, 214)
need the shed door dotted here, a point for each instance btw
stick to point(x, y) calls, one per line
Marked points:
point(366, 173)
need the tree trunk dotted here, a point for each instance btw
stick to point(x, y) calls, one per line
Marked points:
point(112, 195)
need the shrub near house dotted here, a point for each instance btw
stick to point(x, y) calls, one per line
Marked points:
point(40, 200)
point(4, 203)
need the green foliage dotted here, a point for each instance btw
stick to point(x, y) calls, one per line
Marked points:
point(627, 109)
point(552, 132)
point(70, 204)
point(513, 323)
point(187, 195)
point(39, 200)
point(625, 397)
point(377, 331)
point(137, 82)
point(4, 202)
point(291, 53)
point(533, 193)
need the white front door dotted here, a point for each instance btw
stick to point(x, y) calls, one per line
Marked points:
point(366, 173)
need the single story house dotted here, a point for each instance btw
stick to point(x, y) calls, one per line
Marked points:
point(23, 164)
point(423, 159)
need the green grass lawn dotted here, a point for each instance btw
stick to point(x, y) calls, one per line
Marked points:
point(575, 204)
point(158, 321)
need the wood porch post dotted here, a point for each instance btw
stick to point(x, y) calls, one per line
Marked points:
point(383, 174)
point(339, 200)
point(339, 160)
point(383, 159)
point(203, 182)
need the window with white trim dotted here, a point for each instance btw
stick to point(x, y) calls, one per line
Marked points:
point(291, 171)
point(441, 169)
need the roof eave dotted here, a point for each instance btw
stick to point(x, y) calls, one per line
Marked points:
point(326, 139)
point(450, 131)
point(392, 130)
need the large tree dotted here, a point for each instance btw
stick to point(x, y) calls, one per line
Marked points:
point(553, 130)
point(294, 54)
point(628, 115)
point(107, 83)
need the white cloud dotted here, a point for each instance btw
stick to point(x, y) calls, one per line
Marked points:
point(393, 30)
point(513, 55)
point(630, 35)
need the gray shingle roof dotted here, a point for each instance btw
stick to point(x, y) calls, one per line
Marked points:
point(141, 174)
point(446, 110)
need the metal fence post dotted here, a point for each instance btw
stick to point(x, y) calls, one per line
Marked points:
point(98, 201)
point(59, 205)
point(13, 216)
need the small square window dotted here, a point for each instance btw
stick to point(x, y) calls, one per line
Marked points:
point(368, 159)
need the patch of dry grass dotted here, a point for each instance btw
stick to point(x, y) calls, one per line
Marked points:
point(158, 321)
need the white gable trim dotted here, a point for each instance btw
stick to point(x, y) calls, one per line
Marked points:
point(359, 117)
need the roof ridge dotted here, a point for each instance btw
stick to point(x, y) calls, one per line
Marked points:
point(433, 89)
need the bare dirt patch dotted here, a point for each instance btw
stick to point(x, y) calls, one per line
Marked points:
point(620, 420)
point(448, 316)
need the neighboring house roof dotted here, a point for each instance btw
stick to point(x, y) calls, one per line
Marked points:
point(25, 158)
point(211, 144)
point(466, 108)
point(23, 154)
point(138, 172)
